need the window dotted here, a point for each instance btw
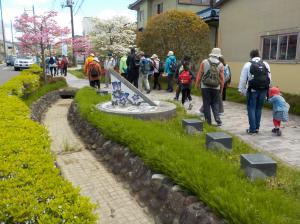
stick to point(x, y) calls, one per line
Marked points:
point(279, 47)
point(159, 8)
point(196, 2)
point(141, 16)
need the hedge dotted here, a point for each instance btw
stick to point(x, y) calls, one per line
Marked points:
point(214, 177)
point(31, 189)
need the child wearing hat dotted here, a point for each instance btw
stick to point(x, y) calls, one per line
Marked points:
point(280, 109)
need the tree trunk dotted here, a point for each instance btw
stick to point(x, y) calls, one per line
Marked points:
point(43, 62)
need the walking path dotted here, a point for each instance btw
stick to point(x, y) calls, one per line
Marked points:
point(80, 166)
point(235, 121)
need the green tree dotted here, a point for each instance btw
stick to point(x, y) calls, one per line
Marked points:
point(180, 31)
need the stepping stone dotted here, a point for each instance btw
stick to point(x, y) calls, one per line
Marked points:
point(102, 92)
point(218, 140)
point(192, 126)
point(258, 166)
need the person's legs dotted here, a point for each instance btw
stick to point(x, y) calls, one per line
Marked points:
point(170, 82)
point(261, 96)
point(224, 92)
point(206, 104)
point(136, 80)
point(66, 71)
point(155, 80)
point(51, 71)
point(183, 95)
point(215, 100)
point(146, 83)
point(107, 78)
point(92, 83)
point(251, 107)
point(140, 82)
point(97, 83)
point(221, 106)
point(178, 90)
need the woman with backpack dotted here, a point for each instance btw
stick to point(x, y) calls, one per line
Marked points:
point(170, 69)
point(227, 77)
point(185, 79)
point(156, 69)
point(94, 72)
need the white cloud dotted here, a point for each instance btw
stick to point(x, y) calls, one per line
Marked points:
point(28, 2)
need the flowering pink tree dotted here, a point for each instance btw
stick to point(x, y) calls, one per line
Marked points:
point(82, 45)
point(38, 33)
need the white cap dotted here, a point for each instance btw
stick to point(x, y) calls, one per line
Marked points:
point(170, 53)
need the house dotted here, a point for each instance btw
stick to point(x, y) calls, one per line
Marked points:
point(148, 8)
point(273, 27)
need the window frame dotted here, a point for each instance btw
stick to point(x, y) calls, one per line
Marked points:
point(159, 6)
point(278, 35)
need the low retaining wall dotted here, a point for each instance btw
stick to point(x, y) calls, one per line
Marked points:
point(39, 107)
point(169, 203)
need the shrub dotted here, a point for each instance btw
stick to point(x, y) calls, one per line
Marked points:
point(214, 177)
point(31, 189)
point(180, 31)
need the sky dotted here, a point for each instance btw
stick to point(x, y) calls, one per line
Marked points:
point(103, 9)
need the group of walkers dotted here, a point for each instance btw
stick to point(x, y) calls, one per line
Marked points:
point(212, 79)
point(57, 66)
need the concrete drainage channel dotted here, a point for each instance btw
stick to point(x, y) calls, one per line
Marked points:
point(156, 194)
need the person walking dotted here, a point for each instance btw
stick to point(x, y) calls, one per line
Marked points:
point(133, 65)
point(170, 69)
point(94, 72)
point(280, 109)
point(64, 65)
point(109, 65)
point(52, 65)
point(210, 78)
point(156, 69)
point(145, 70)
point(254, 83)
point(58, 66)
point(185, 61)
point(185, 79)
point(88, 60)
point(123, 66)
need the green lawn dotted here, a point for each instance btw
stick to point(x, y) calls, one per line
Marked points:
point(214, 177)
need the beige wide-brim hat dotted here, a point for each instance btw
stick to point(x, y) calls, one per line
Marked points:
point(216, 52)
point(96, 59)
point(170, 53)
point(154, 56)
point(91, 54)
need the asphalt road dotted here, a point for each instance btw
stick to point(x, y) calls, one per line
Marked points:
point(6, 73)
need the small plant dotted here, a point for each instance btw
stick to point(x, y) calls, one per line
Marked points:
point(68, 148)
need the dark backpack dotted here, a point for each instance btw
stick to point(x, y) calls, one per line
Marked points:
point(51, 61)
point(173, 66)
point(93, 71)
point(260, 76)
point(212, 78)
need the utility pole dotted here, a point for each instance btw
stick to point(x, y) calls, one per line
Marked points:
point(3, 31)
point(69, 4)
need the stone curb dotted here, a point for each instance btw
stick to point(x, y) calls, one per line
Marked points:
point(169, 203)
point(39, 107)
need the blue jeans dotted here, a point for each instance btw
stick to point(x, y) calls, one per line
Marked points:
point(255, 102)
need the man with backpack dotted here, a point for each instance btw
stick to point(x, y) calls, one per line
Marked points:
point(210, 78)
point(170, 69)
point(133, 65)
point(94, 72)
point(254, 83)
point(145, 70)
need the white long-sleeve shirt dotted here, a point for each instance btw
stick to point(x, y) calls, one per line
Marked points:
point(246, 76)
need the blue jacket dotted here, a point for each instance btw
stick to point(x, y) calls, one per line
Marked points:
point(280, 107)
point(168, 63)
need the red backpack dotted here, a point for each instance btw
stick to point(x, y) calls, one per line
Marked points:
point(185, 78)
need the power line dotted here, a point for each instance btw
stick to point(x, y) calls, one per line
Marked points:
point(81, 3)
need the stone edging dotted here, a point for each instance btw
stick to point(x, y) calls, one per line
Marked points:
point(39, 107)
point(169, 203)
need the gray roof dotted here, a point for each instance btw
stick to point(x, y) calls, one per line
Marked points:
point(133, 5)
point(220, 2)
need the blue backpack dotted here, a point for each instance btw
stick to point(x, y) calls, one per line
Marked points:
point(173, 66)
point(227, 74)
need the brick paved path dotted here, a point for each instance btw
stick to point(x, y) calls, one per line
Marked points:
point(235, 121)
point(115, 204)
